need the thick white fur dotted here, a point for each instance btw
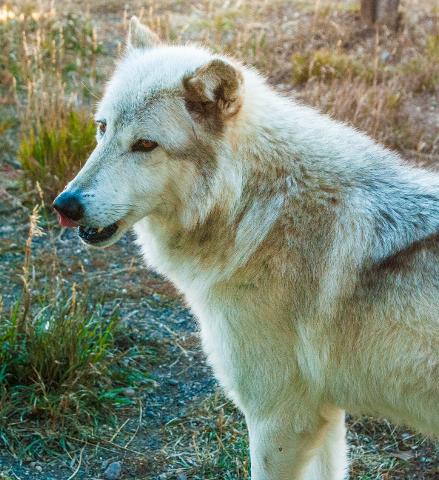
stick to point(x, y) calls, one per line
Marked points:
point(315, 278)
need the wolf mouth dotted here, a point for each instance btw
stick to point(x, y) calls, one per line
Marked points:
point(94, 235)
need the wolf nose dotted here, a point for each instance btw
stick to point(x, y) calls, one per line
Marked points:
point(68, 205)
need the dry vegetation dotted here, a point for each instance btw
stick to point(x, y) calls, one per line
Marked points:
point(54, 58)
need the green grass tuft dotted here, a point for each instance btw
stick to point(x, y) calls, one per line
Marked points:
point(50, 153)
point(325, 65)
point(65, 366)
point(423, 69)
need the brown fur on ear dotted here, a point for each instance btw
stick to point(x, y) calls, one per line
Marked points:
point(140, 36)
point(214, 92)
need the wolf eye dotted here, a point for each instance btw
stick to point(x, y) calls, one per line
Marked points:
point(102, 126)
point(143, 145)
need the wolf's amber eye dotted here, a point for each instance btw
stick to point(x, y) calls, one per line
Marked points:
point(143, 145)
point(102, 126)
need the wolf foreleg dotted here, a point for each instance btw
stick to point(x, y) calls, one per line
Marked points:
point(278, 452)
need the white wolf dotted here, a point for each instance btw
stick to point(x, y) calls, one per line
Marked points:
point(308, 253)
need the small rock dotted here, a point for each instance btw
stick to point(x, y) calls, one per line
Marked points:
point(404, 455)
point(385, 55)
point(129, 392)
point(172, 382)
point(178, 20)
point(113, 471)
point(39, 468)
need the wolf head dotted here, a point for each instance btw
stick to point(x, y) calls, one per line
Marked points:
point(163, 138)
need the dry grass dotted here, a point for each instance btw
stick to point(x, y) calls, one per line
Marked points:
point(48, 65)
point(216, 434)
point(210, 442)
point(372, 79)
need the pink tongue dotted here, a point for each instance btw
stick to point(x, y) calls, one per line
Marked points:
point(66, 222)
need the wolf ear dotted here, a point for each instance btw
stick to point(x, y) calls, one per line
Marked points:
point(214, 90)
point(140, 36)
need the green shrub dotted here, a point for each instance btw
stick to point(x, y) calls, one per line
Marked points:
point(421, 72)
point(51, 153)
point(325, 65)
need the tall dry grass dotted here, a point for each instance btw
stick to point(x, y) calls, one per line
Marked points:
point(319, 51)
point(322, 53)
point(50, 58)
